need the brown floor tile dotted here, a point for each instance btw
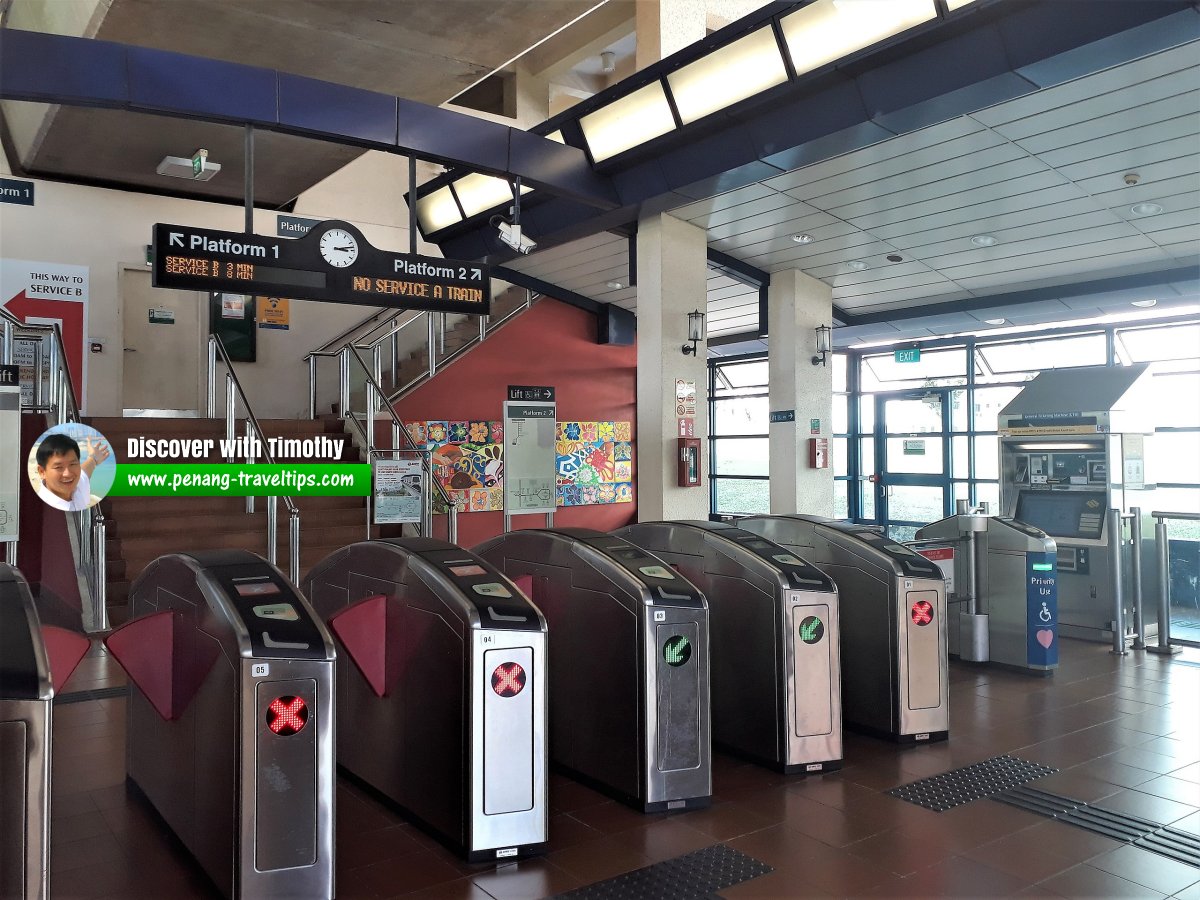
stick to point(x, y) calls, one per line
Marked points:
point(901, 851)
point(778, 846)
point(663, 839)
point(568, 796)
point(610, 817)
point(1172, 788)
point(375, 846)
point(1147, 806)
point(1076, 785)
point(1087, 883)
point(73, 828)
point(725, 821)
point(1023, 855)
point(1190, 824)
point(567, 831)
point(404, 874)
point(526, 879)
point(598, 860)
point(961, 877)
point(776, 884)
point(1106, 769)
point(830, 790)
point(1148, 869)
point(1192, 893)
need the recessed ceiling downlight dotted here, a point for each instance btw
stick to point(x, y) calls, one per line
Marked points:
point(1145, 209)
point(802, 238)
point(994, 321)
point(1144, 304)
point(984, 240)
point(856, 265)
point(615, 285)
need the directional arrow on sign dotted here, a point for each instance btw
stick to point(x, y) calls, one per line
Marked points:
point(70, 314)
point(176, 239)
point(477, 273)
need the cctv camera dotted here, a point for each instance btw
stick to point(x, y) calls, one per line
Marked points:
point(512, 237)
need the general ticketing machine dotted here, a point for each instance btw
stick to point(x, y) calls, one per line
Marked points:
point(1003, 580)
point(29, 653)
point(1072, 447)
point(893, 624)
point(230, 733)
point(629, 702)
point(776, 657)
point(442, 671)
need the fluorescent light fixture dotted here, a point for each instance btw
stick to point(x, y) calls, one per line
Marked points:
point(952, 5)
point(615, 285)
point(628, 122)
point(830, 29)
point(1039, 445)
point(1144, 304)
point(555, 136)
point(438, 210)
point(477, 192)
point(994, 321)
point(1145, 209)
point(727, 76)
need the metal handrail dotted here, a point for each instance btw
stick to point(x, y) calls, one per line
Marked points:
point(1163, 552)
point(91, 534)
point(390, 316)
point(233, 390)
point(399, 433)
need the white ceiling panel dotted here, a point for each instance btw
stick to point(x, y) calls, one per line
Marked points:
point(722, 201)
point(958, 238)
point(937, 291)
point(783, 222)
point(881, 303)
point(1126, 121)
point(1035, 250)
point(1144, 142)
point(1103, 265)
point(744, 212)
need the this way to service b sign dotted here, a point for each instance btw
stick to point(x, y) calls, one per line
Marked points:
point(332, 262)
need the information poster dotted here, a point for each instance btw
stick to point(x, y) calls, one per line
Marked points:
point(530, 468)
point(274, 312)
point(10, 435)
point(685, 397)
point(399, 489)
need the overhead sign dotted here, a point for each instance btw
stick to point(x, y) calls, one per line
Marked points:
point(18, 192)
point(530, 392)
point(10, 438)
point(332, 262)
point(783, 415)
point(294, 226)
point(911, 355)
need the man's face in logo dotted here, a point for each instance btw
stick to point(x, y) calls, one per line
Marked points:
point(61, 474)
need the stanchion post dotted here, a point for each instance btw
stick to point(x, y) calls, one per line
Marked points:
point(1163, 552)
point(1135, 576)
point(100, 570)
point(312, 387)
point(210, 387)
point(294, 546)
point(1116, 532)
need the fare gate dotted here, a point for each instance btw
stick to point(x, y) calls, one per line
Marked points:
point(443, 665)
point(776, 657)
point(230, 733)
point(628, 659)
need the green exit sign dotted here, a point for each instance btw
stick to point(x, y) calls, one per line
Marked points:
point(912, 354)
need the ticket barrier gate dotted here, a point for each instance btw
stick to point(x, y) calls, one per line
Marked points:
point(29, 653)
point(230, 733)
point(893, 624)
point(1004, 606)
point(629, 702)
point(442, 665)
point(776, 657)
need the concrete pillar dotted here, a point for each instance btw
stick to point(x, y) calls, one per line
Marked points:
point(672, 273)
point(664, 26)
point(796, 305)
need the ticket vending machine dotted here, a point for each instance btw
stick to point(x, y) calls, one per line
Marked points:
point(1073, 446)
point(893, 623)
point(30, 655)
point(1009, 570)
point(441, 668)
point(629, 702)
point(776, 657)
point(230, 733)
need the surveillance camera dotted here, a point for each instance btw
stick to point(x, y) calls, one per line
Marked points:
point(511, 236)
point(1132, 178)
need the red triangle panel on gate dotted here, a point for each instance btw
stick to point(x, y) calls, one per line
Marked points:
point(370, 631)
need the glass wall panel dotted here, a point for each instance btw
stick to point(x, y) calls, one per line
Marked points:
point(1174, 456)
point(915, 503)
point(866, 414)
point(866, 458)
point(839, 372)
point(1048, 353)
point(1164, 342)
point(841, 422)
point(1175, 400)
point(841, 507)
point(960, 461)
point(867, 492)
point(987, 456)
point(989, 401)
point(959, 418)
point(738, 377)
point(989, 492)
point(915, 456)
point(740, 456)
point(741, 415)
point(742, 496)
point(913, 416)
point(838, 447)
point(934, 368)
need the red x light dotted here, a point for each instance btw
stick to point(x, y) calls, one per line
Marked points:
point(508, 680)
point(922, 612)
point(287, 715)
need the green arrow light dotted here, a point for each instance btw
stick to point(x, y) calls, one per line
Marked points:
point(677, 650)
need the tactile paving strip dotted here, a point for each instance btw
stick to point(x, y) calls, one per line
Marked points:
point(700, 873)
point(982, 779)
point(1181, 846)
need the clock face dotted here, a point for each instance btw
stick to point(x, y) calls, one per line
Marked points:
point(339, 248)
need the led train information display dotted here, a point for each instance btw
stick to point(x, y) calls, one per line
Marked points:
point(332, 262)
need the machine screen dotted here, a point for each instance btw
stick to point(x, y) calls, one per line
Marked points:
point(1067, 514)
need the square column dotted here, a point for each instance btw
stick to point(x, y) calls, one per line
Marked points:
point(796, 305)
point(672, 278)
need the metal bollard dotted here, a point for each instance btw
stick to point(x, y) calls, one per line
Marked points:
point(1162, 551)
point(1135, 576)
point(1116, 533)
point(100, 572)
point(294, 545)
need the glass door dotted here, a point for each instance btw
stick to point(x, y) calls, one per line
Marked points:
point(912, 453)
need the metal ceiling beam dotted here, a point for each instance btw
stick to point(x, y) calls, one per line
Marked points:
point(980, 56)
point(49, 68)
point(531, 283)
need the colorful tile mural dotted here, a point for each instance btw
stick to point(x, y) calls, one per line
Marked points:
point(594, 460)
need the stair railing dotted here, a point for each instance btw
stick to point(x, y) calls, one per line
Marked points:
point(234, 392)
point(402, 442)
point(54, 396)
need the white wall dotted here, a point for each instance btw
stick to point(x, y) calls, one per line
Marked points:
point(108, 229)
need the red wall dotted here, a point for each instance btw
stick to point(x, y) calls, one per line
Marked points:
point(550, 344)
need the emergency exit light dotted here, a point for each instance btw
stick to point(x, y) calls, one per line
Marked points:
point(287, 715)
point(677, 650)
point(508, 679)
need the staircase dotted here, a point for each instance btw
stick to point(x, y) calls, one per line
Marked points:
point(140, 529)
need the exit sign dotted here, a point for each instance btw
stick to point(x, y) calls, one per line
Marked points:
point(912, 354)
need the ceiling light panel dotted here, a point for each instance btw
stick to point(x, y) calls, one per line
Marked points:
point(830, 29)
point(437, 210)
point(952, 5)
point(727, 76)
point(628, 122)
point(477, 192)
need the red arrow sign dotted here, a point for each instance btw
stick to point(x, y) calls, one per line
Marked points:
point(70, 313)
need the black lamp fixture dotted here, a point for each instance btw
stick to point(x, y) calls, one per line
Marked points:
point(824, 344)
point(695, 331)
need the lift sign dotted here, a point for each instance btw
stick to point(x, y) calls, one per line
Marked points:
point(922, 612)
point(508, 679)
point(287, 715)
point(677, 650)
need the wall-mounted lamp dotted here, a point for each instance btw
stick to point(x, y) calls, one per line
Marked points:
point(695, 331)
point(824, 344)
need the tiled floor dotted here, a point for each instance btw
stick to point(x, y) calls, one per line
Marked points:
point(1123, 730)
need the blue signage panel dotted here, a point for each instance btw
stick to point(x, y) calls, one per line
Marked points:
point(783, 415)
point(1041, 604)
point(294, 226)
point(14, 191)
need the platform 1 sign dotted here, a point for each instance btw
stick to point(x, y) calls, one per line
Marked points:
point(332, 262)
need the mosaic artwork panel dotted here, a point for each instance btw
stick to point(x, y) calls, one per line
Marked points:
point(592, 461)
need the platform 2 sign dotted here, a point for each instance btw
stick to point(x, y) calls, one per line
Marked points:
point(332, 262)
